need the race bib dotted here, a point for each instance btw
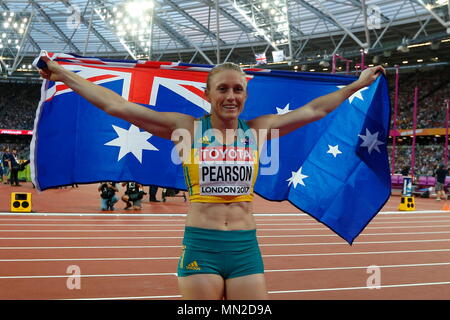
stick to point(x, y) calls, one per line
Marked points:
point(225, 171)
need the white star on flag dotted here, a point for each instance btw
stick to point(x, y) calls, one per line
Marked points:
point(370, 141)
point(357, 94)
point(297, 177)
point(132, 140)
point(284, 110)
point(334, 150)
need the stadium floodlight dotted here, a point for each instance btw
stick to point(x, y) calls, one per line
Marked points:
point(435, 3)
point(132, 22)
point(324, 64)
point(138, 8)
point(14, 27)
point(269, 19)
point(403, 47)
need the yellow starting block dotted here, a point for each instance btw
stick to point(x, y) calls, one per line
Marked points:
point(407, 204)
point(20, 202)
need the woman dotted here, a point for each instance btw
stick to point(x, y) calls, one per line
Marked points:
point(221, 257)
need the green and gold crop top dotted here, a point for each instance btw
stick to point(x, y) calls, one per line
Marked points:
point(217, 172)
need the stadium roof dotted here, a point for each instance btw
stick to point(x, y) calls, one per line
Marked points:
point(211, 31)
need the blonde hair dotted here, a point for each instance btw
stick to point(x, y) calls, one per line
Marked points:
point(222, 67)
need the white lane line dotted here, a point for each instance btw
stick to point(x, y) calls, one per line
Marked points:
point(345, 243)
point(109, 225)
point(138, 219)
point(334, 235)
point(411, 212)
point(284, 291)
point(87, 247)
point(85, 230)
point(93, 275)
point(90, 238)
point(281, 214)
point(182, 229)
point(406, 217)
point(174, 274)
point(261, 245)
point(363, 288)
point(351, 253)
point(182, 225)
point(91, 259)
point(363, 267)
point(264, 256)
point(129, 298)
point(113, 220)
point(259, 236)
point(133, 215)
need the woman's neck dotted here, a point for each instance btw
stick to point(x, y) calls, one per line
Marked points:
point(222, 125)
point(226, 128)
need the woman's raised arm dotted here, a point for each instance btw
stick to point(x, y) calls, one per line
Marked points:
point(317, 108)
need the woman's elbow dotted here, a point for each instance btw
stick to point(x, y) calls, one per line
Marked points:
point(319, 114)
point(116, 108)
point(315, 114)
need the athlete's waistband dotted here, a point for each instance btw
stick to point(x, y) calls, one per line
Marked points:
point(219, 240)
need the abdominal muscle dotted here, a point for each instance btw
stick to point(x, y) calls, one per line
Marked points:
point(221, 216)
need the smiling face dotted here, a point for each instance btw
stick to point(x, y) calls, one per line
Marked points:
point(227, 91)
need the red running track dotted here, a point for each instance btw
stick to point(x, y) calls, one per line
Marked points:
point(135, 257)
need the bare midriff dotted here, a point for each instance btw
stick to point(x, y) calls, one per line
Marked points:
point(221, 216)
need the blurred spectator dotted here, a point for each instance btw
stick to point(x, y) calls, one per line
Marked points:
point(18, 103)
point(427, 157)
point(434, 88)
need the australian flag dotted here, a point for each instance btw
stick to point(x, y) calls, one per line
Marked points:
point(335, 169)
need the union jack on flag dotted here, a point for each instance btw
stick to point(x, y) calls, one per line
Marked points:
point(260, 58)
point(335, 169)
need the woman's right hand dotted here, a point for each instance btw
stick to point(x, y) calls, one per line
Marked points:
point(53, 72)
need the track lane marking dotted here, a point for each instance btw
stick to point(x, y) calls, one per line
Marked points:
point(259, 236)
point(276, 270)
point(282, 292)
point(182, 230)
point(261, 245)
point(182, 225)
point(264, 256)
point(362, 288)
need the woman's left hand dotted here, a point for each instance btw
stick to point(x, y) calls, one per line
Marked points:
point(369, 75)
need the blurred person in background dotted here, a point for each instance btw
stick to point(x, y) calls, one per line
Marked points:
point(133, 195)
point(14, 168)
point(108, 195)
point(5, 164)
point(440, 174)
